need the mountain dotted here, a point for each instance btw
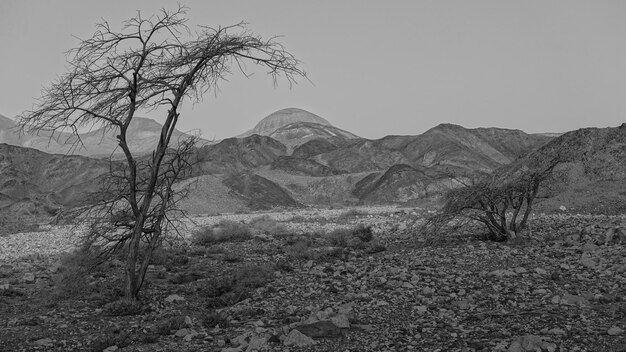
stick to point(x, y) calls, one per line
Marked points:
point(36, 183)
point(281, 118)
point(293, 127)
point(297, 133)
point(143, 136)
point(238, 154)
point(445, 146)
point(592, 177)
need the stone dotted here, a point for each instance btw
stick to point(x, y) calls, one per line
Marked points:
point(29, 278)
point(181, 332)
point(615, 331)
point(44, 342)
point(111, 349)
point(174, 298)
point(341, 321)
point(257, 343)
point(574, 300)
point(588, 262)
point(320, 329)
point(4, 287)
point(188, 322)
point(562, 208)
point(589, 248)
point(557, 331)
point(520, 270)
point(298, 339)
point(541, 271)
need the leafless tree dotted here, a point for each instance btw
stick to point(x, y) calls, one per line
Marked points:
point(151, 65)
point(501, 202)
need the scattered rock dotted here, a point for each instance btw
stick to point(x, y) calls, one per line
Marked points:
point(341, 321)
point(44, 342)
point(29, 278)
point(320, 329)
point(615, 331)
point(111, 349)
point(298, 339)
point(174, 298)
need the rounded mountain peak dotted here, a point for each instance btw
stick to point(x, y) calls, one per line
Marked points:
point(285, 117)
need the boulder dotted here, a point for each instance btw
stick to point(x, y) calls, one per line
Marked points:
point(298, 339)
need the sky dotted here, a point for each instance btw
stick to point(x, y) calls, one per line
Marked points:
point(375, 68)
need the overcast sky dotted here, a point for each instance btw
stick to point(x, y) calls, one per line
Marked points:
point(376, 67)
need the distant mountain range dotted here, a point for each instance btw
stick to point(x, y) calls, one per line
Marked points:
point(143, 136)
point(294, 158)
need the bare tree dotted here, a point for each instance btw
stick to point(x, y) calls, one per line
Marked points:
point(501, 202)
point(151, 64)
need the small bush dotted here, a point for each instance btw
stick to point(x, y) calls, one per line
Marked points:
point(225, 231)
point(76, 268)
point(284, 265)
point(186, 277)
point(375, 248)
point(350, 214)
point(364, 233)
point(11, 292)
point(166, 326)
point(268, 226)
point(300, 250)
point(236, 285)
point(123, 307)
point(213, 319)
point(339, 237)
point(232, 257)
point(114, 338)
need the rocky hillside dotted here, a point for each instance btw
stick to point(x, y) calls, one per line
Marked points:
point(594, 170)
point(36, 183)
point(143, 136)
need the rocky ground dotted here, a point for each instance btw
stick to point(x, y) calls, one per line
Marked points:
point(561, 289)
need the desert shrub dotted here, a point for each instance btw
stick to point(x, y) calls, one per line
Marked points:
point(123, 307)
point(75, 271)
point(350, 214)
point(267, 226)
point(339, 237)
point(166, 326)
point(186, 277)
point(232, 257)
point(108, 339)
point(301, 250)
point(224, 231)
point(284, 265)
point(213, 319)
point(236, 285)
point(363, 233)
point(375, 248)
point(10, 292)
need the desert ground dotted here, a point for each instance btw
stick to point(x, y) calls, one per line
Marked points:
point(317, 280)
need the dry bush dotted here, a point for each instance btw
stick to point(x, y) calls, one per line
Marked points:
point(351, 214)
point(224, 231)
point(123, 307)
point(351, 238)
point(236, 285)
point(267, 226)
point(75, 272)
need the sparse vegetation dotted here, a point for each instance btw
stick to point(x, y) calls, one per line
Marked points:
point(225, 231)
point(123, 307)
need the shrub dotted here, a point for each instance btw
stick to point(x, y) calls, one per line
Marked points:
point(108, 339)
point(350, 214)
point(186, 277)
point(213, 319)
point(224, 231)
point(301, 250)
point(339, 237)
point(364, 233)
point(232, 257)
point(166, 326)
point(268, 226)
point(76, 268)
point(10, 292)
point(237, 285)
point(123, 307)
